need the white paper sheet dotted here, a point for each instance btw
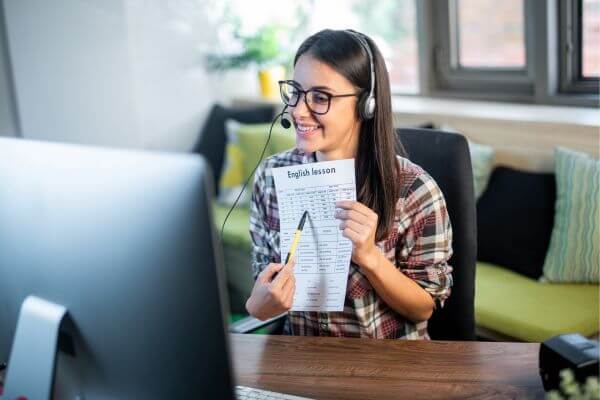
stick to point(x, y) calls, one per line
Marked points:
point(323, 254)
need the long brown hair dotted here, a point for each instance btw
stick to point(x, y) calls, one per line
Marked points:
point(377, 172)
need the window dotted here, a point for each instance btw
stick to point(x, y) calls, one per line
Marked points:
point(482, 47)
point(392, 24)
point(395, 22)
point(485, 42)
point(591, 39)
point(540, 51)
point(514, 50)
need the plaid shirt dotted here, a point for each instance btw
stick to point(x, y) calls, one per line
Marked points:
point(420, 245)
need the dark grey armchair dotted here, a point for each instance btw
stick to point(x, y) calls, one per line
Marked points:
point(445, 156)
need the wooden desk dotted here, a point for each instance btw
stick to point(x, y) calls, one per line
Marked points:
point(341, 368)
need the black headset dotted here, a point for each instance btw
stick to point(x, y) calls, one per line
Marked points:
point(366, 103)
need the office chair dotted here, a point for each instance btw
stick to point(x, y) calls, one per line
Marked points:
point(445, 156)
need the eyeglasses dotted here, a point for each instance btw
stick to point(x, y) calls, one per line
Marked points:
point(317, 101)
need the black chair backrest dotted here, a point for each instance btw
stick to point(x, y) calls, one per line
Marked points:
point(445, 156)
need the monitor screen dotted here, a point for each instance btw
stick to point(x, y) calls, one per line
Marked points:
point(124, 241)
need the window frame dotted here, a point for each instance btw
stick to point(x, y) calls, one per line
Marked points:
point(571, 49)
point(539, 82)
point(450, 75)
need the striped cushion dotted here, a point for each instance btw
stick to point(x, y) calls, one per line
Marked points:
point(573, 254)
point(482, 159)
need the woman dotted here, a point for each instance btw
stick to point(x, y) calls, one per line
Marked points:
point(399, 227)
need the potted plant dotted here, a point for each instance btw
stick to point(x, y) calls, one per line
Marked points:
point(264, 49)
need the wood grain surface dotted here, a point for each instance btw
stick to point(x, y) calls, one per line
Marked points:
point(344, 368)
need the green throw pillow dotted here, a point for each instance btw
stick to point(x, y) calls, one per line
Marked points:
point(245, 143)
point(574, 251)
point(482, 158)
point(252, 139)
point(282, 140)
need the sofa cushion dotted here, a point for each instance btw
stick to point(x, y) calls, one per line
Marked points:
point(245, 144)
point(236, 254)
point(283, 140)
point(252, 139)
point(574, 253)
point(514, 220)
point(212, 139)
point(529, 310)
point(236, 232)
point(233, 175)
point(482, 159)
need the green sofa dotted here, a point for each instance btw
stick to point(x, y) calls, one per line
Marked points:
point(236, 251)
point(508, 305)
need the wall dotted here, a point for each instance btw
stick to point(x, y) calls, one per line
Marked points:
point(524, 136)
point(172, 90)
point(124, 73)
point(71, 71)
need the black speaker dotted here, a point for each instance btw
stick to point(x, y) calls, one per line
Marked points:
point(571, 351)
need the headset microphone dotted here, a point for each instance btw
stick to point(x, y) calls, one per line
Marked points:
point(285, 123)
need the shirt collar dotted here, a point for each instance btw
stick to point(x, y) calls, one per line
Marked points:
point(308, 157)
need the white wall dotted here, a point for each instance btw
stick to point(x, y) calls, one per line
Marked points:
point(172, 90)
point(125, 73)
point(71, 71)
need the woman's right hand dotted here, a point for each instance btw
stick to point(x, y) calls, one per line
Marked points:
point(272, 295)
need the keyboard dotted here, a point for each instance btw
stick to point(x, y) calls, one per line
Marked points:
point(247, 393)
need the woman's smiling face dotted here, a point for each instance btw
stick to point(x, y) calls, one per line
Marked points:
point(333, 135)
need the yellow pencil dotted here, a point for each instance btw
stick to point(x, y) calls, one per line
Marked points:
point(296, 237)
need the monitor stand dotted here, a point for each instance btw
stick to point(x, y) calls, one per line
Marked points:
point(30, 372)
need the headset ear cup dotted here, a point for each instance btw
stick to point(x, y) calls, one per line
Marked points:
point(369, 107)
point(365, 107)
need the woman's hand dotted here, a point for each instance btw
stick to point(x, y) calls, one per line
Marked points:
point(273, 291)
point(359, 224)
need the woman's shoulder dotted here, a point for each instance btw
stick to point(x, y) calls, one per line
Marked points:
point(417, 185)
point(410, 172)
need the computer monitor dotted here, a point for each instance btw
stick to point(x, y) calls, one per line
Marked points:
point(123, 242)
